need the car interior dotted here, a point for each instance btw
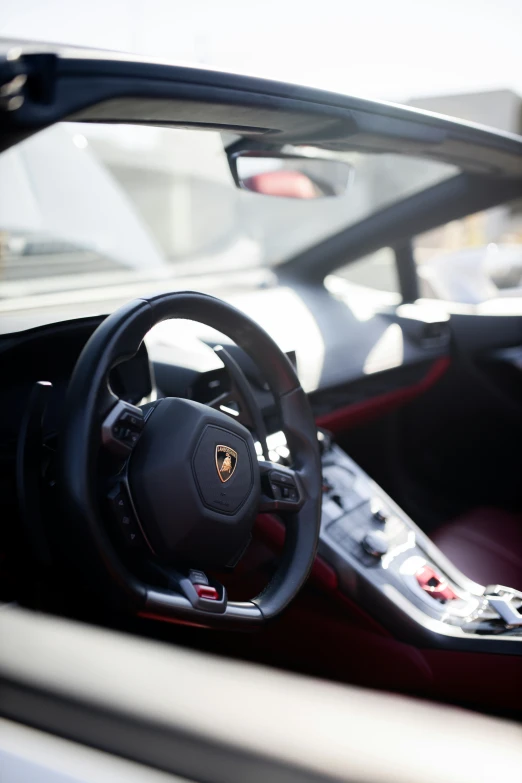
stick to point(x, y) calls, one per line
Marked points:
point(274, 531)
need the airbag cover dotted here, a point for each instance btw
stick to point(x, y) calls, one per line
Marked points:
point(195, 483)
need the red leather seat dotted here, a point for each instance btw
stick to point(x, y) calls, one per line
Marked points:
point(486, 545)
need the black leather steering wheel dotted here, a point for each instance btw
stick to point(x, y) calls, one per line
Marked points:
point(181, 479)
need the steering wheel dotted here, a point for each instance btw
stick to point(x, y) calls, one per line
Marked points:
point(180, 481)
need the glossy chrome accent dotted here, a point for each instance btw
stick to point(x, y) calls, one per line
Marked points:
point(502, 599)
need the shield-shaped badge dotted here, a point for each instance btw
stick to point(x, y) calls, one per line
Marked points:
point(226, 461)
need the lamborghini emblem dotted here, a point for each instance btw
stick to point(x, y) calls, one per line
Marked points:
point(226, 461)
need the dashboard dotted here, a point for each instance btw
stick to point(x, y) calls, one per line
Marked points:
point(161, 368)
point(350, 347)
point(353, 365)
point(353, 374)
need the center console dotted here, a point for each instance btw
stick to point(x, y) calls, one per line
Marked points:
point(388, 566)
point(386, 563)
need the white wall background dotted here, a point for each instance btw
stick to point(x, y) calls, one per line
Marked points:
point(389, 49)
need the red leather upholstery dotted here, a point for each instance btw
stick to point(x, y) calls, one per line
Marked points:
point(486, 545)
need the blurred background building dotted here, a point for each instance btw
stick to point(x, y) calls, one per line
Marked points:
point(498, 231)
point(497, 108)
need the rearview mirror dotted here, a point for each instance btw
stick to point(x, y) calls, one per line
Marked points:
point(289, 176)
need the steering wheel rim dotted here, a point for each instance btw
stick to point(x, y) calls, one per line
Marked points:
point(90, 400)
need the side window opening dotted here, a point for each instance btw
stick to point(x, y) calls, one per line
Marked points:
point(376, 270)
point(474, 259)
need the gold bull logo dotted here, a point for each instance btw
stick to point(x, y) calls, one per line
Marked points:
point(226, 462)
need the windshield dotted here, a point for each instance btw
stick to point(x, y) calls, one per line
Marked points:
point(92, 215)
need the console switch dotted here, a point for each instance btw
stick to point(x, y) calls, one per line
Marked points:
point(376, 543)
point(207, 591)
point(507, 602)
point(434, 584)
point(377, 510)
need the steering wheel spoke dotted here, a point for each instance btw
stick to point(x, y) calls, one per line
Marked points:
point(248, 414)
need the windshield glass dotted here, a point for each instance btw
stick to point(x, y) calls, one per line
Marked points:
point(93, 215)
